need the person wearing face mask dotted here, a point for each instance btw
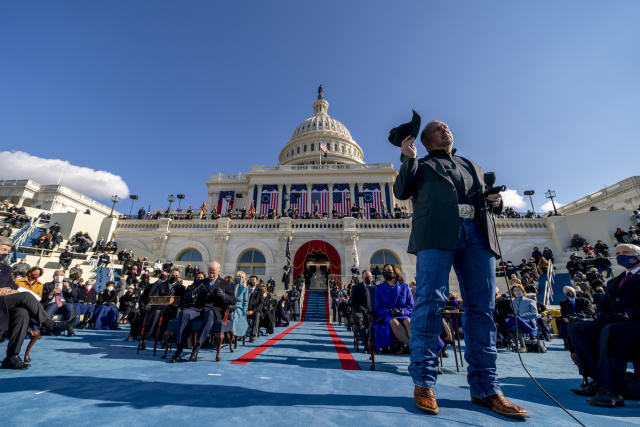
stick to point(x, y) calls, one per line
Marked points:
point(32, 281)
point(523, 316)
point(86, 304)
point(294, 300)
point(18, 309)
point(240, 324)
point(107, 314)
point(605, 345)
point(360, 304)
point(254, 308)
point(268, 314)
point(575, 308)
point(394, 304)
point(55, 302)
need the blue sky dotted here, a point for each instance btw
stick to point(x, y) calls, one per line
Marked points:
point(164, 94)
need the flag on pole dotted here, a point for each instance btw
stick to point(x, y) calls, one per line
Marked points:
point(356, 260)
point(251, 210)
point(324, 148)
point(288, 250)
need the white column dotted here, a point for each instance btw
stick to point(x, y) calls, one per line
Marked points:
point(309, 197)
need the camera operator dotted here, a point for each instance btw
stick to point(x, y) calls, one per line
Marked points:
point(452, 226)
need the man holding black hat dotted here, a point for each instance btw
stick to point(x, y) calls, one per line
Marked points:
point(17, 309)
point(452, 226)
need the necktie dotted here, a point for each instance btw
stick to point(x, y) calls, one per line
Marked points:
point(58, 300)
point(624, 279)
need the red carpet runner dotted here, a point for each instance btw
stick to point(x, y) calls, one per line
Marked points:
point(346, 359)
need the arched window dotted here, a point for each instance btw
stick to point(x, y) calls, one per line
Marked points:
point(382, 257)
point(252, 261)
point(190, 255)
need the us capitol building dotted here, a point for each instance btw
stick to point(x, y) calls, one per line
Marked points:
point(321, 169)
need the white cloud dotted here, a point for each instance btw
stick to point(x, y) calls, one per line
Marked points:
point(548, 207)
point(93, 183)
point(512, 199)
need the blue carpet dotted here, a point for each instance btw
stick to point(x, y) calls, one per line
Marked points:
point(97, 378)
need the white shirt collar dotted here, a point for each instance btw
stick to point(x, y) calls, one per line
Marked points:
point(634, 271)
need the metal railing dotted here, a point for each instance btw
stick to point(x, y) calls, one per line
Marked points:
point(548, 286)
point(20, 238)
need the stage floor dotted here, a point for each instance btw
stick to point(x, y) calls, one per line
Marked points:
point(307, 377)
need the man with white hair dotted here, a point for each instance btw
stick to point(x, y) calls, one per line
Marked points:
point(209, 299)
point(605, 345)
point(576, 308)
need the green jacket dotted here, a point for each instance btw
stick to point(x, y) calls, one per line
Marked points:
point(435, 223)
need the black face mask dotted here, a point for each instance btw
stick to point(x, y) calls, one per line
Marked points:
point(172, 279)
point(367, 280)
point(388, 275)
point(571, 294)
point(3, 257)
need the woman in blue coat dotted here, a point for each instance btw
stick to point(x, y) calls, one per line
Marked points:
point(240, 323)
point(394, 304)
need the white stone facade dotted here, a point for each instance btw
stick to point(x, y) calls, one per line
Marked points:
point(624, 194)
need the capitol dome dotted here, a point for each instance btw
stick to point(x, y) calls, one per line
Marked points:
point(304, 145)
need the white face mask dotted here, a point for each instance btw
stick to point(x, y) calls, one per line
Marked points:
point(110, 288)
point(89, 287)
point(58, 279)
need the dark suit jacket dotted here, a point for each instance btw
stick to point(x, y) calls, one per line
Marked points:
point(87, 298)
point(202, 296)
point(46, 290)
point(435, 204)
point(157, 289)
point(624, 300)
point(359, 298)
point(256, 299)
point(107, 297)
point(6, 281)
point(584, 308)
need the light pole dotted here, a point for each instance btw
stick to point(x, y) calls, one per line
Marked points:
point(550, 194)
point(171, 199)
point(180, 198)
point(530, 193)
point(132, 197)
point(115, 199)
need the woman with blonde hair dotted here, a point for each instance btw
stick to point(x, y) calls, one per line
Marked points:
point(524, 314)
point(240, 323)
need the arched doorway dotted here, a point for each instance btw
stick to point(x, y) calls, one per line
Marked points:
point(316, 256)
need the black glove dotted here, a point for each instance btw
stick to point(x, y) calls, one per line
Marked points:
point(396, 312)
point(218, 293)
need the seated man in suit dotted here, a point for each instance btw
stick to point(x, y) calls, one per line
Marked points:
point(210, 299)
point(254, 308)
point(360, 302)
point(17, 310)
point(575, 308)
point(55, 302)
point(159, 289)
point(86, 300)
point(605, 345)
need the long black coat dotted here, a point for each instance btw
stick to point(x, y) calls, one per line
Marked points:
point(6, 281)
point(435, 223)
point(201, 296)
point(623, 300)
point(256, 299)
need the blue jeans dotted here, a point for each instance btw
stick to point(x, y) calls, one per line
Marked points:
point(475, 266)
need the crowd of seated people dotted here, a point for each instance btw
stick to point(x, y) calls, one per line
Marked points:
point(110, 247)
point(49, 238)
point(80, 242)
point(603, 340)
point(17, 217)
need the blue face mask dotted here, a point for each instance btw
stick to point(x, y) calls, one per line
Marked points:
point(238, 280)
point(627, 261)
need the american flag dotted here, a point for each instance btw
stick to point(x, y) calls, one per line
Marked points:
point(223, 205)
point(320, 197)
point(269, 199)
point(298, 198)
point(372, 198)
point(323, 147)
point(342, 199)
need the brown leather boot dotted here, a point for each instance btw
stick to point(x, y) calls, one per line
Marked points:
point(501, 405)
point(425, 400)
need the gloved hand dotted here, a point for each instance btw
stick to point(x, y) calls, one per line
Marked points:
point(620, 317)
point(218, 293)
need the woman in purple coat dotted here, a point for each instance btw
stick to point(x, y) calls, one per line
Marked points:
point(394, 303)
